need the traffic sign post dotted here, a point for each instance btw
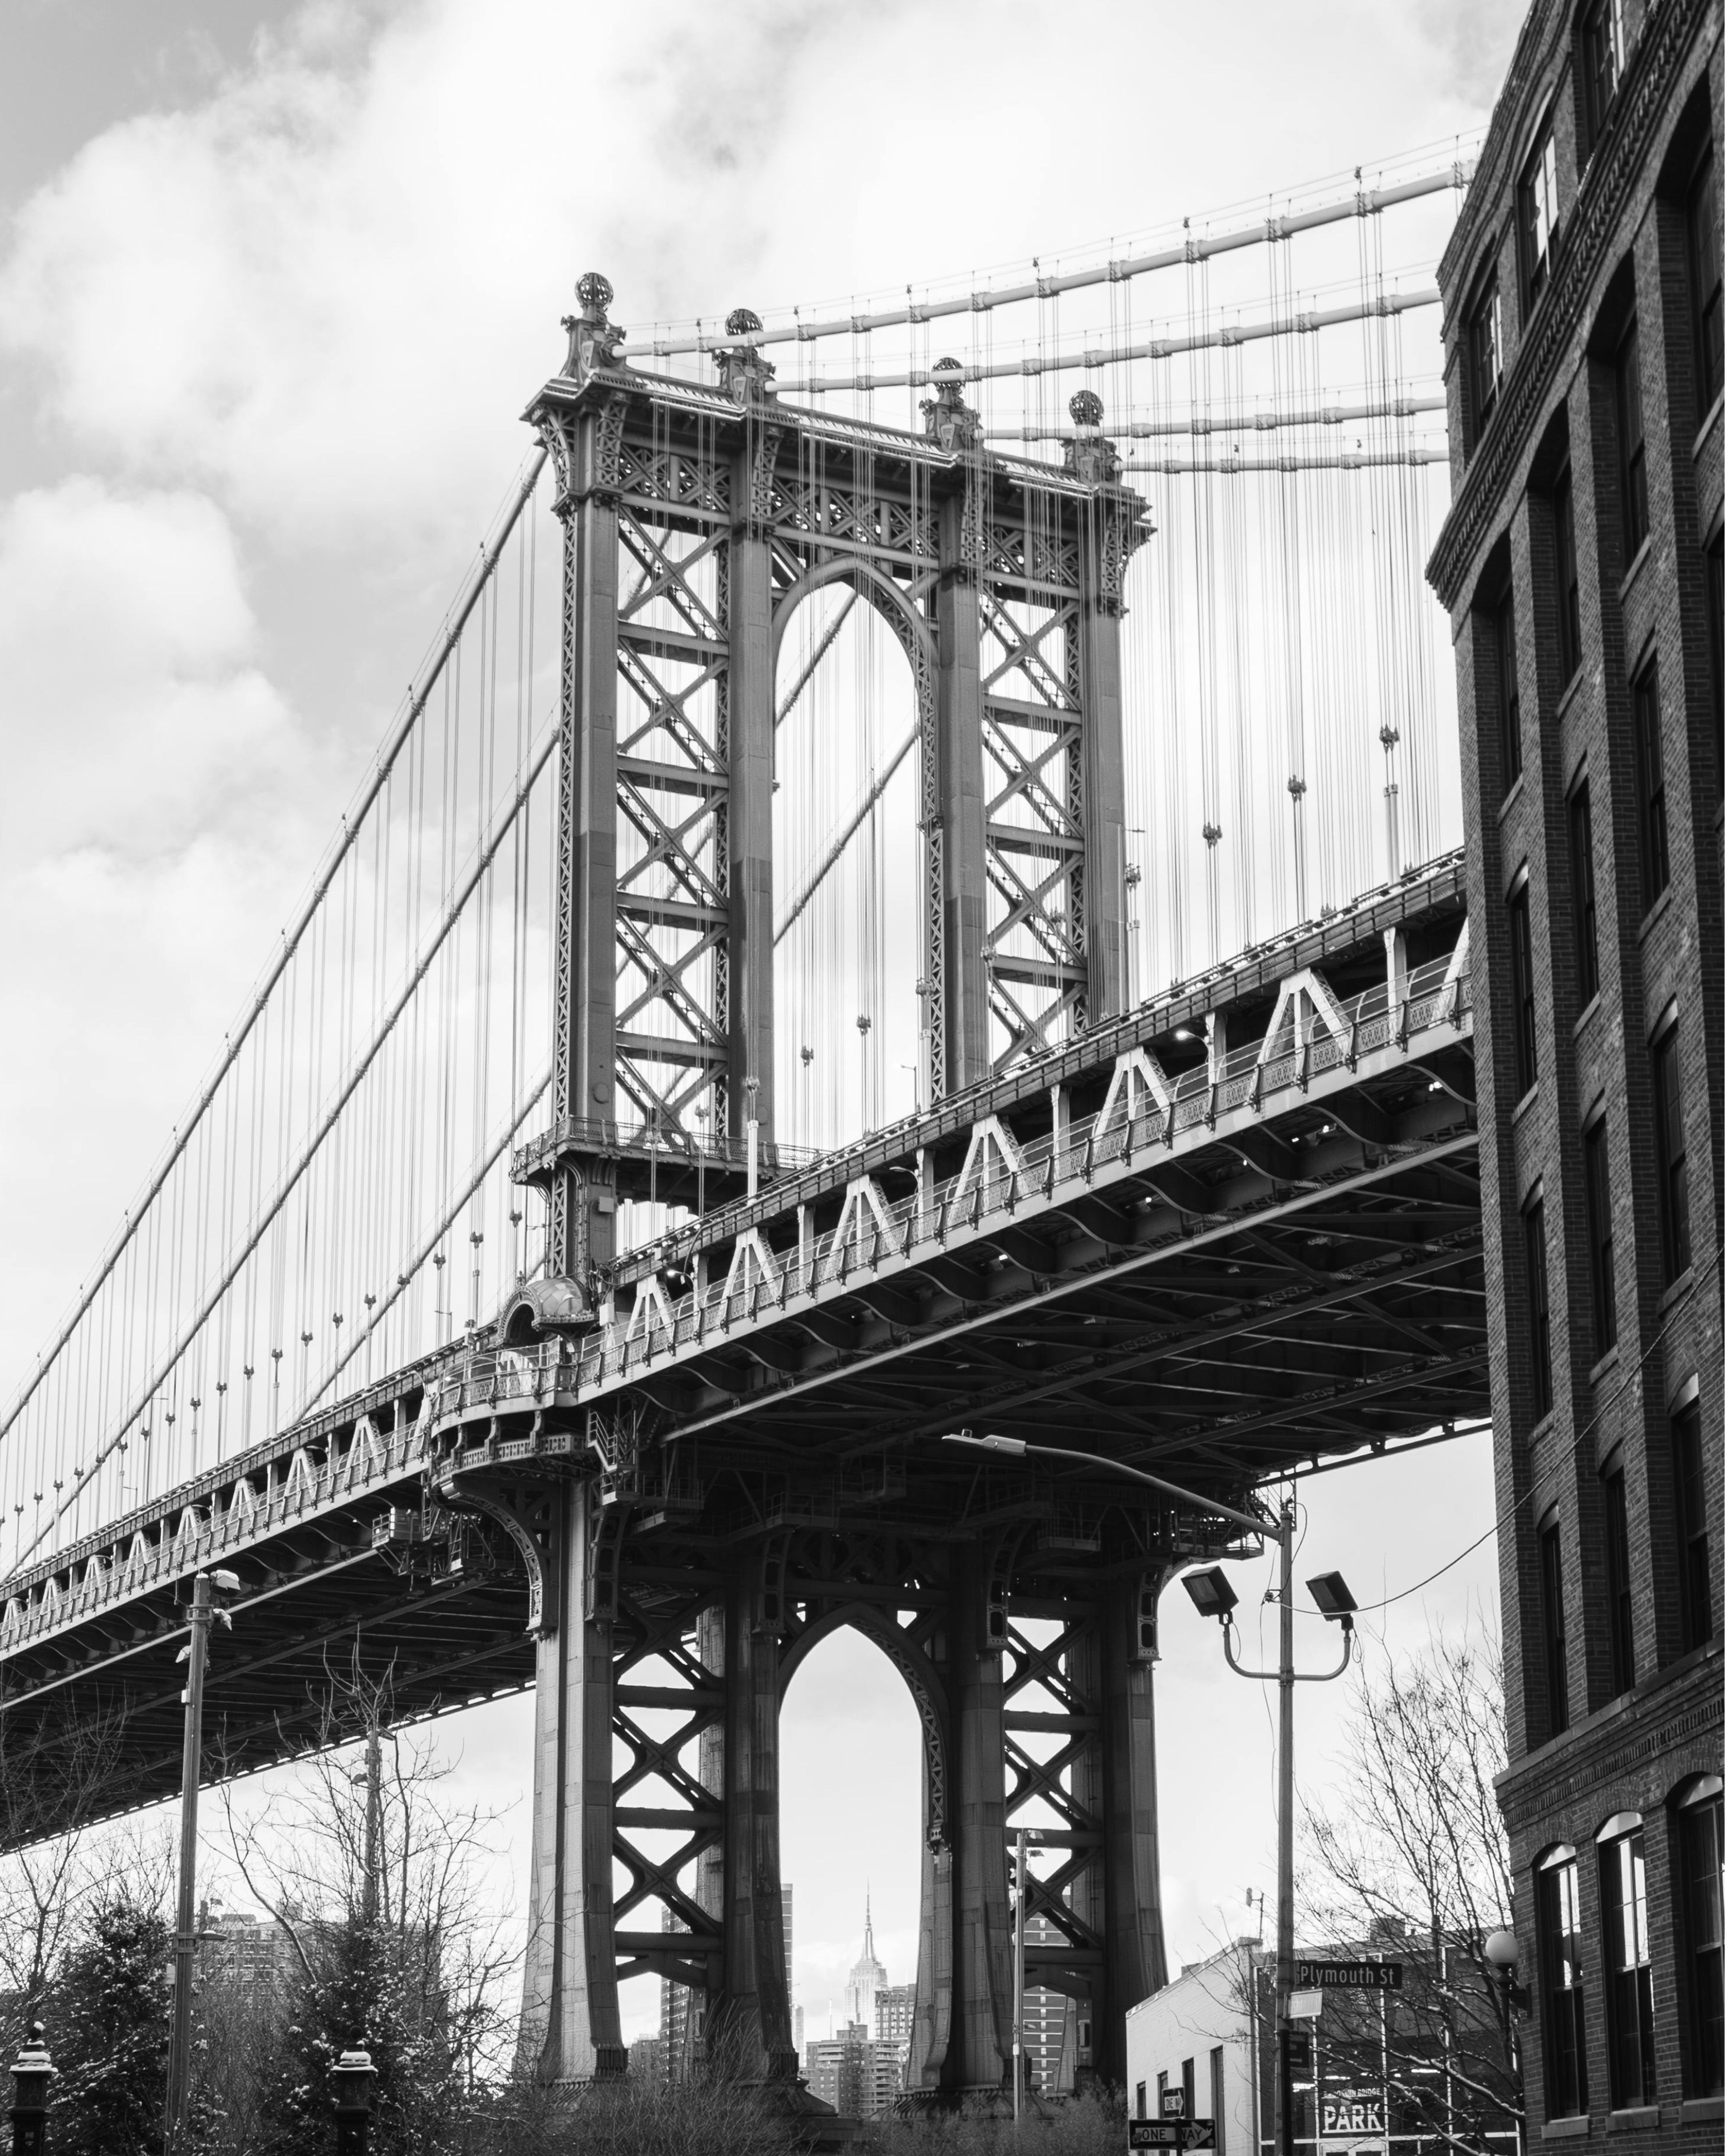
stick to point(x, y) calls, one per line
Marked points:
point(1173, 2135)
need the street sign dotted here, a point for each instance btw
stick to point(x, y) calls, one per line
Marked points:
point(1348, 1975)
point(1173, 2103)
point(1177, 2134)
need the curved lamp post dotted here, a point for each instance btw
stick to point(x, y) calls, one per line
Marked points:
point(1213, 1596)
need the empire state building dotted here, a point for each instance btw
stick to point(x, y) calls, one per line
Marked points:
point(867, 1975)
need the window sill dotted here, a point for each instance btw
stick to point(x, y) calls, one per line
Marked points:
point(1702, 2110)
point(1604, 1367)
point(1566, 2129)
point(1572, 689)
point(1676, 1292)
point(1513, 795)
point(1542, 1429)
point(1656, 912)
point(1701, 432)
point(1526, 1102)
point(1588, 1010)
point(1634, 569)
point(1631, 2120)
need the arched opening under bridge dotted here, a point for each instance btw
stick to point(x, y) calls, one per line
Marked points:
point(848, 858)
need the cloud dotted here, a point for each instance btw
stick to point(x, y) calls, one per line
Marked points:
point(132, 700)
point(1475, 38)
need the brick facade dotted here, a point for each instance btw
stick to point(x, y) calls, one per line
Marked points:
point(1625, 1642)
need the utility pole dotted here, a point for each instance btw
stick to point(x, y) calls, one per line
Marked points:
point(196, 1654)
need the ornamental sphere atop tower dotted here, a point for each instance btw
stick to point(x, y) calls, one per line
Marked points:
point(594, 293)
point(1086, 409)
point(742, 322)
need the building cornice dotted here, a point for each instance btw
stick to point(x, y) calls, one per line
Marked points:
point(1680, 1707)
point(1608, 185)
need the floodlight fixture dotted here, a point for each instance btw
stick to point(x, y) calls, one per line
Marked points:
point(1329, 1591)
point(228, 1581)
point(1212, 1594)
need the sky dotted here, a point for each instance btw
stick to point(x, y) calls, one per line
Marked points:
point(275, 282)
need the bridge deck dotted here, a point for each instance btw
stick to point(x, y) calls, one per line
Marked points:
point(1220, 1248)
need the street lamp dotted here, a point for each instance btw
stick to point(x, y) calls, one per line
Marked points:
point(1213, 1597)
point(1502, 1950)
point(1329, 1591)
point(31, 2072)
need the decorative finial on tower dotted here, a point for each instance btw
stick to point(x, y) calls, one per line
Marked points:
point(746, 377)
point(946, 417)
point(1090, 456)
point(595, 340)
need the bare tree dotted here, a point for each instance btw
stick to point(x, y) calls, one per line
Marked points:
point(53, 1779)
point(1417, 1861)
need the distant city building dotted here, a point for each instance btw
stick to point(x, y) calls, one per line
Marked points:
point(867, 1976)
point(647, 2061)
point(858, 2074)
point(895, 2013)
point(1050, 2024)
point(236, 1947)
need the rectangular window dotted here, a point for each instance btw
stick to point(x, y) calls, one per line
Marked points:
point(1562, 505)
point(1538, 1307)
point(1649, 789)
point(1188, 2087)
point(1632, 443)
point(1700, 1837)
point(1672, 1147)
point(1162, 2096)
point(1601, 1243)
point(1537, 199)
point(1629, 1970)
point(1619, 1601)
point(1485, 349)
point(1550, 1611)
point(1218, 2097)
point(1521, 987)
point(1694, 1578)
point(1582, 896)
point(1559, 1916)
point(1601, 62)
point(1509, 692)
point(1705, 274)
point(1143, 2093)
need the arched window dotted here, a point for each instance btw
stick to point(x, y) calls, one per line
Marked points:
point(1629, 1960)
point(1700, 1901)
point(1557, 1917)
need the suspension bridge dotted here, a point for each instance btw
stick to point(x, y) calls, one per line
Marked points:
point(718, 1057)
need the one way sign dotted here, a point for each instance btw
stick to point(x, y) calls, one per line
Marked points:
point(1176, 2134)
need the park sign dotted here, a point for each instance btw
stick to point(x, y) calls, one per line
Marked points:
point(1173, 2135)
point(1348, 1975)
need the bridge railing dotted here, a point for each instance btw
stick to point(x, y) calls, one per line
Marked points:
point(1437, 998)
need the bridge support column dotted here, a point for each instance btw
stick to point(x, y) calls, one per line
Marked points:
point(979, 2055)
point(749, 2022)
point(583, 1227)
point(1105, 863)
point(1136, 1960)
point(748, 840)
point(570, 2030)
point(964, 892)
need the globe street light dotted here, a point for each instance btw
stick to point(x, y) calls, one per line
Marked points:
point(1213, 1596)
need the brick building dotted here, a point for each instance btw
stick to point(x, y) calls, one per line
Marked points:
point(1581, 565)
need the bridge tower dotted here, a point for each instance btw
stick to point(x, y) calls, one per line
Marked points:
point(697, 517)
